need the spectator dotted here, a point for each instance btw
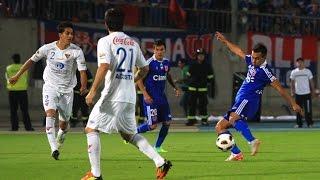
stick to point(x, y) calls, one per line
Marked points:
point(182, 64)
point(302, 87)
point(18, 95)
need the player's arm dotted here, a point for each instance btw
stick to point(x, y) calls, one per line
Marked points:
point(139, 76)
point(101, 73)
point(233, 48)
point(147, 98)
point(141, 73)
point(292, 87)
point(175, 88)
point(312, 87)
point(276, 85)
point(84, 82)
point(24, 68)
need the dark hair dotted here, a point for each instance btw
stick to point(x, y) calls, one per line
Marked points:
point(159, 42)
point(16, 58)
point(260, 48)
point(63, 25)
point(114, 19)
point(300, 59)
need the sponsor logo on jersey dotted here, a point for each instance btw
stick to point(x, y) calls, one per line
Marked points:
point(60, 65)
point(159, 78)
point(123, 41)
point(67, 55)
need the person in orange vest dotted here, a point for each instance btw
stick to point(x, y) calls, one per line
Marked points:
point(18, 95)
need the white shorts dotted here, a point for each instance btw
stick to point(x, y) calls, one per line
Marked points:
point(111, 117)
point(57, 101)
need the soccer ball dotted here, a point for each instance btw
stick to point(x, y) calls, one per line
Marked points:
point(225, 142)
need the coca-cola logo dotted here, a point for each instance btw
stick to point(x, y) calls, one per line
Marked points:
point(125, 41)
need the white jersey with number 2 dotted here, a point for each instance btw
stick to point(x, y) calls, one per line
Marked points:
point(60, 72)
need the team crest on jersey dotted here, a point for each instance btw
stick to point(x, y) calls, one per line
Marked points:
point(166, 68)
point(67, 55)
point(252, 70)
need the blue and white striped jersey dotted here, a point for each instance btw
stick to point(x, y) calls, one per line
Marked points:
point(257, 78)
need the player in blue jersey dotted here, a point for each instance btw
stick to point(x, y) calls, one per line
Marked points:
point(248, 97)
point(155, 101)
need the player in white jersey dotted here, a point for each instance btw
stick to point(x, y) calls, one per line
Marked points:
point(118, 54)
point(62, 59)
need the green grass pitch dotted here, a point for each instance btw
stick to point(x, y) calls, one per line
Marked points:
point(283, 155)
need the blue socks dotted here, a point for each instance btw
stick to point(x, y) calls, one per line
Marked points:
point(143, 128)
point(242, 126)
point(162, 134)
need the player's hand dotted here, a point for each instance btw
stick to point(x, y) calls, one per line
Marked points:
point(177, 92)
point(89, 98)
point(83, 91)
point(13, 79)
point(220, 37)
point(297, 109)
point(147, 98)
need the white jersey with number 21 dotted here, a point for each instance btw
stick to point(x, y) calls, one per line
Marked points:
point(123, 54)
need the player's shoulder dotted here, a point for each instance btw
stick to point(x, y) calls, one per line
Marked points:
point(49, 45)
point(166, 60)
point(150, 60)
point(295, 70)
point(74, 47)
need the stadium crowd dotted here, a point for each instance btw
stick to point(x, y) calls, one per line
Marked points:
point(294, 17)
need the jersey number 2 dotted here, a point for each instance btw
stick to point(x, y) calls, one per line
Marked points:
point(120, 68)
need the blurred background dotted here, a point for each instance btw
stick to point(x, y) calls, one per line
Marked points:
point(289, 29)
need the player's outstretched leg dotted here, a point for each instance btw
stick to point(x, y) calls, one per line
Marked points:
point(163, 170)
point(242, 126)
point(236, 154)
point(94, 149)
point(221, 128)
point(64, 126)
point(143, 145)
point(161, 137)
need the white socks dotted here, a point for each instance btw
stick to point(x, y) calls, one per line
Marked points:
point(94, 150)
point(51, 133)
point(144, 146)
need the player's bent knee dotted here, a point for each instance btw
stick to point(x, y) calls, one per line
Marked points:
point(222, 126)
point(51, 113)
point(153, 126)
point(63, 125)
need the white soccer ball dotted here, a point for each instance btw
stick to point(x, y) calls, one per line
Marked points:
point(225, 142)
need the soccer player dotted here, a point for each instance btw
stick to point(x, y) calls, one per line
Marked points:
point(156, 105)
point(62, 59)
point(248, 97)
point(115, 110)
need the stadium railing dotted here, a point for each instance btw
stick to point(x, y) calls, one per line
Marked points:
point(156, 15)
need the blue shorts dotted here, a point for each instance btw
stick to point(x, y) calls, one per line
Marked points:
point(156, 113)
point(245, 108)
